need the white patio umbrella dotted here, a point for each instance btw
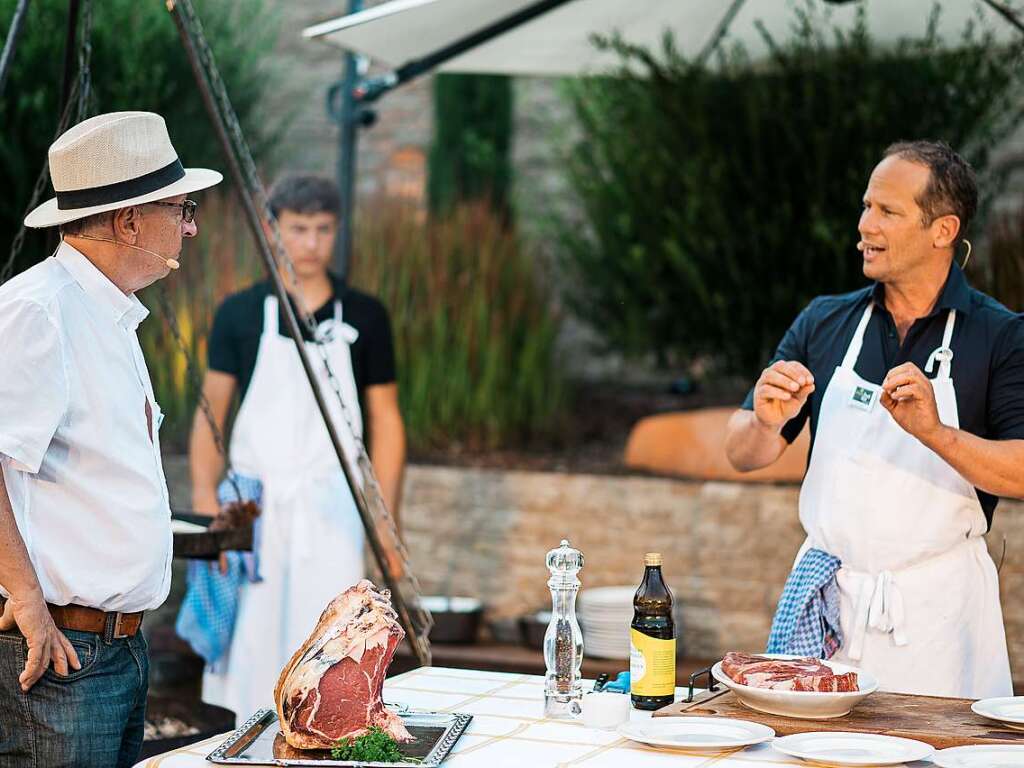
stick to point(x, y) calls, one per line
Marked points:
point(558, 41)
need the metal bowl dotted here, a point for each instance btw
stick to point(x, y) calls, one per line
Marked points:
point(456, 619)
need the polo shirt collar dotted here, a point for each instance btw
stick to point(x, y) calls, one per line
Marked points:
point(956, 293)
point(126, 310)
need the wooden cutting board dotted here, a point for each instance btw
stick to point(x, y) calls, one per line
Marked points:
point(938, 721)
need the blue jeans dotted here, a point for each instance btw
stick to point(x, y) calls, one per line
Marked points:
point(93, 718)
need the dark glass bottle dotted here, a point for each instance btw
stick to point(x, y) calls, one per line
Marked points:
point(652, 662)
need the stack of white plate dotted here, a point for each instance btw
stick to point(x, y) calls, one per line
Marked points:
point(605, 614)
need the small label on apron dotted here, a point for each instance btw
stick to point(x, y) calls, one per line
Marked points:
point(863, 398)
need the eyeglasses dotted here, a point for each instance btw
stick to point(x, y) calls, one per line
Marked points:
point(188, 209)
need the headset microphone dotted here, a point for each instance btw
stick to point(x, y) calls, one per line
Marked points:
point(169, 263)
point(860, 245)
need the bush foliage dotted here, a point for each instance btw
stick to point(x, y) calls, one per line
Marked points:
point(719, 200)
point(137, 63)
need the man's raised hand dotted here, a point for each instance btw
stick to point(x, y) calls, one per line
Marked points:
point(781, 392)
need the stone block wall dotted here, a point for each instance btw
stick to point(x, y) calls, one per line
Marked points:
point(728, 546)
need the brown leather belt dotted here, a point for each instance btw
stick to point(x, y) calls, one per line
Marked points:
point(112, 625)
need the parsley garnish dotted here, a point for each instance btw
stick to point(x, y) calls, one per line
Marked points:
point(375, 746)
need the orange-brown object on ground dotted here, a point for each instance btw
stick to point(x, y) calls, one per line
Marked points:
point(692, 444)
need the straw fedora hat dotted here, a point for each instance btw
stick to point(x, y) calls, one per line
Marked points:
point(113, 161)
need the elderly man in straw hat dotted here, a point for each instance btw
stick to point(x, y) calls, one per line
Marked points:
point(85, 538)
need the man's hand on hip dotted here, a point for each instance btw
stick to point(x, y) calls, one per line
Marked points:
point(780, 393)
point(908, 395)
point(46, 643)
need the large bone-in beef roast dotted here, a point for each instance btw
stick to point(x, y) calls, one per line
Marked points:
point(331, 688)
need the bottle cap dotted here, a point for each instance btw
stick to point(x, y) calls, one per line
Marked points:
point(652, 558)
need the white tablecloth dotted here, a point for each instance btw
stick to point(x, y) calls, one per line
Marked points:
point(509, 729)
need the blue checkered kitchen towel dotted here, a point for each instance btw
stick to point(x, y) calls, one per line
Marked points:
point(806, 622)
point(207, 615)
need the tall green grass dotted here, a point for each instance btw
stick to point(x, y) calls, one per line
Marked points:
point(473, 323)
point(221, 260)
point(470, 311)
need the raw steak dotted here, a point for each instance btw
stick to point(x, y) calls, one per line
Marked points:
point(331, 688)
point(786, 674)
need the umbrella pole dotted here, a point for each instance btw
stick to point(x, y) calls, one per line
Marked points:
point(348, 119)
point(373, 88)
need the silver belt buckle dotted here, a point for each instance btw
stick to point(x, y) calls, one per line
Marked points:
point(113, 629)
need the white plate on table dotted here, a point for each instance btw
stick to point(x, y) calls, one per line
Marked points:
point(811, 705)
point(696, 732)
point(987, 756)
point(1008, 710)
point(841, 748)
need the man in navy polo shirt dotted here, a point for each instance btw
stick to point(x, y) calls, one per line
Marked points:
point(914, 388)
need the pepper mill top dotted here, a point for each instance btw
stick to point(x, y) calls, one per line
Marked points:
point(564, 562)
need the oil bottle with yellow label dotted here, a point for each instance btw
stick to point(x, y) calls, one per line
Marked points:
point(652, 640)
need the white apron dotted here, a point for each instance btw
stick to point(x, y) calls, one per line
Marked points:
point(919, 605)
point(312, 536)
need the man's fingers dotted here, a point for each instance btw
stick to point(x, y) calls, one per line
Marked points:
point(69, 651)
point(906, 392)
point(7, 618)
point(796, 371)
point(59, 659)
point(35, 665)
point(770, 392)
point(782, 381)
point(894, 380)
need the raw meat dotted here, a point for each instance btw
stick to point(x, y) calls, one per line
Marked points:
point(331, 688)
point(786, 674)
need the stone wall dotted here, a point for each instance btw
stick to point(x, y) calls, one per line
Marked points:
point(727, 546)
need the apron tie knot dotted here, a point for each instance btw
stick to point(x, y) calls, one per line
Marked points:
point(879, 607)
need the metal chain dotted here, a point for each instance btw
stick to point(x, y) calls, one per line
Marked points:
point(371, 485)
point(192, 371)
point(78, 102)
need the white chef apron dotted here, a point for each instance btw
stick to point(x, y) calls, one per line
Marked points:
point(919, 594)
point(312, 536)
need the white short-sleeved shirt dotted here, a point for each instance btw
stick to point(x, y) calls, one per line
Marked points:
point(83, 474)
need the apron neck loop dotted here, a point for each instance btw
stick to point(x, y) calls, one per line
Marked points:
point(270, 314)
point(944, 354)
point(853, 351)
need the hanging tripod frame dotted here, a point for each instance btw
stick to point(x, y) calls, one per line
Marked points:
point(253, 198)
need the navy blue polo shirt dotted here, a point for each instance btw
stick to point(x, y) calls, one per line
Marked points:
point(987, 367)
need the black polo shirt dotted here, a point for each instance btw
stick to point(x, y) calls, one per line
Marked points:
point(238, 324)
point(988, 355)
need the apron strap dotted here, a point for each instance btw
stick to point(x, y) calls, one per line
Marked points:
point(944, 354)
point(270, 315)
point(853, 351)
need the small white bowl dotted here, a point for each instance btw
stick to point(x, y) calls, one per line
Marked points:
point(811, 705)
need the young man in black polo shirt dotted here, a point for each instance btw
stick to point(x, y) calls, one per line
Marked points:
point(311, 534)
point(905, 467)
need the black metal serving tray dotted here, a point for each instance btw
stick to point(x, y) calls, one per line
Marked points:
point(259, 742)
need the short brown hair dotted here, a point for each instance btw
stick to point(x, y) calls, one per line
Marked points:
point(952, 187)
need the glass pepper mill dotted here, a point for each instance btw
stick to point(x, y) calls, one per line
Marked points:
point(563, 641)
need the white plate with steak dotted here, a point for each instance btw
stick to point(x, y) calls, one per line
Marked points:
point(793, 686)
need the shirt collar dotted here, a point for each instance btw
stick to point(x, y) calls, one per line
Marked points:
point(956, 293)
point(126, 310)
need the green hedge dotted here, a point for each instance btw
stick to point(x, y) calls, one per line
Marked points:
point(719, 201)
point(137, 64)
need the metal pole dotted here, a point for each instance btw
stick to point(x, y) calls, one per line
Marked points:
point(12, 42)
point(70, 48)
point(292, 325)
point(347, 145)
point(374, 88)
